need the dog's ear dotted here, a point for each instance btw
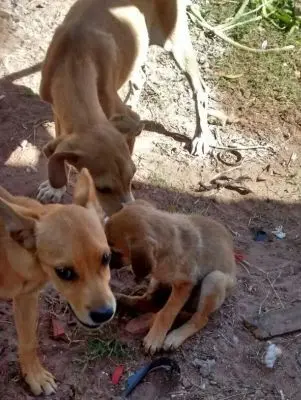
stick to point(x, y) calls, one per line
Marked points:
point(51, 146)
point(143, 257)
point(127, 125)
point(85, 194)
point(20, 227)
point(56, 167)
point(59, 151)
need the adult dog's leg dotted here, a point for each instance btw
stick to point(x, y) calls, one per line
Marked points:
point(214, 290)
point(166, 316)
point(172, 33)
point(25, 313)
point(138, 76)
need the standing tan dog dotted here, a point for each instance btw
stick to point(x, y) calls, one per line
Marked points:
point(100, 45)
point(64, 244)
point(180, 251)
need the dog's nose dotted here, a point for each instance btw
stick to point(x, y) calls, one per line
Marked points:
point(101, 315)
point(127, 198)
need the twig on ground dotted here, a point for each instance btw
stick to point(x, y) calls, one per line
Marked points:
point(228, 183)
point(270, 291)
point(274, 290)
point(3, 321)
point(244, 265)
point(234, 233)
point(224, 172)
point(241, 147)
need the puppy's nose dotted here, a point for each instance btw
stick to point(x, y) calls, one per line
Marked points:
point(101, 315)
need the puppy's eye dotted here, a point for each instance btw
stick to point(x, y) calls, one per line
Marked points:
point(66, 273)
point(105, 190)
point(106, 258)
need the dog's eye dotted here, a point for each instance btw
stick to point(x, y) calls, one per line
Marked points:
point(105, 190)
point(66, 273)
point(106, 258)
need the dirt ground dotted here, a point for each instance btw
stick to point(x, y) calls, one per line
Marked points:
point(170, 177)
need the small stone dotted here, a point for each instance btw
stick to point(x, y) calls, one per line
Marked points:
point(205, 366)
point(186, 383)
point(58, 330)
point(235, 340)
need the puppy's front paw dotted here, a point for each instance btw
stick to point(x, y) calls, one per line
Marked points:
point(39, 379)
point(173, 340)
point(48, 194)
point(153, 341)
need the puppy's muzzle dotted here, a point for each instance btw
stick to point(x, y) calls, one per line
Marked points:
point(101, 315)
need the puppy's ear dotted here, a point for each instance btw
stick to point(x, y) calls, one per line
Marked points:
point(59, 151)
point(21, 228)
point(143, 257)
point(84, 193)
point(127, 125)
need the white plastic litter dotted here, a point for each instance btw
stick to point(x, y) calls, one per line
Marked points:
point(273, 352)
point(278, 232)
point(264, 44)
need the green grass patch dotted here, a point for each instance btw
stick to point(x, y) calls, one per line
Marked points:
point(113, 348)
point(263, 76)
point(267, 77)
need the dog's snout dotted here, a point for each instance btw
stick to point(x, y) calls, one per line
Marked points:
point(127, 198)
point(101, 315)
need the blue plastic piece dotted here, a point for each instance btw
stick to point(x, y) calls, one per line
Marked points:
point(138, 376)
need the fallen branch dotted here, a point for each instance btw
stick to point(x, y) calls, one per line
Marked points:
point(239, 147)
point(223, 181)
point(197, 18)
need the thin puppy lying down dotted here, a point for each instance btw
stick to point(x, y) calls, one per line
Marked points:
point(64, 244)
point(177, 250)
point(100, 45)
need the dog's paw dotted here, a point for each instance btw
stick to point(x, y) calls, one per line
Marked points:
point(201, 145)
point(48, 194)
point(173, 340)
point(39, 380)
point(153, 342)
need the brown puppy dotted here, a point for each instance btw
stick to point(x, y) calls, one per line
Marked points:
point(180, 251)
point(64, 244)
point(100, 45)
